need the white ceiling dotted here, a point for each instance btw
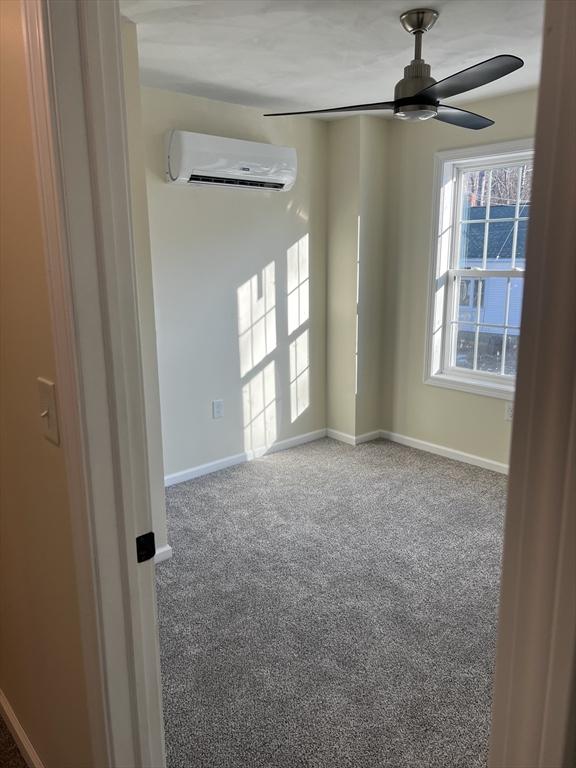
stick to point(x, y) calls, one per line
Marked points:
point(310, 54)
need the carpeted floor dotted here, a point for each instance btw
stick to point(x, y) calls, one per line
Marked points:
point(10, 757)
point(331, 607)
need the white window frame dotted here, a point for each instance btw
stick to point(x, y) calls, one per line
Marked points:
point(447, 167)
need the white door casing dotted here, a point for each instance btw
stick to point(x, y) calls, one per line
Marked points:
point(75, 65)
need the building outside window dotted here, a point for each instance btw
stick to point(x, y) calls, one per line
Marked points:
point(482, 214)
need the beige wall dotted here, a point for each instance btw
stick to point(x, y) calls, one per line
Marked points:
point(374, 180)
point(364, 192)
point(144, 286)
point(41, 671)
point(343, 193)
point(356, 189)
point(206, 244)
point(465, 422)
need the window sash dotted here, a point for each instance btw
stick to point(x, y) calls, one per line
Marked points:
point(452, 322)
point(459, 171)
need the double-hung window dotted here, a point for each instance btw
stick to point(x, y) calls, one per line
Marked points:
point(482, 213)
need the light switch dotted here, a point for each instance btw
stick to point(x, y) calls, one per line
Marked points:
point(217, 409)
point(48, 411)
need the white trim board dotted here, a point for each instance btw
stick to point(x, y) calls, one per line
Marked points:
point(420, 445)
point(204, 469)
point(241, 458)
point(342, 437)
point(292, 442)
point(442, 450)
point(163, 553)
point(19, 734)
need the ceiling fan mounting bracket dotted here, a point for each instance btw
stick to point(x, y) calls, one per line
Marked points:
point(419, 20)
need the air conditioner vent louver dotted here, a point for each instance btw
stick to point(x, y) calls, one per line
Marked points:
point(197, 178)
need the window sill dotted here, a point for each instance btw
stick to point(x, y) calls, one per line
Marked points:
point(498, 389)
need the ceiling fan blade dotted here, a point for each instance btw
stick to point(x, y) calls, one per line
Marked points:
point(473, 77)
point(462, 118)
point(379, 105)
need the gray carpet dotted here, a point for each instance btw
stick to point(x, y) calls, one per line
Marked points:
point(331, 607)
point(10, 757)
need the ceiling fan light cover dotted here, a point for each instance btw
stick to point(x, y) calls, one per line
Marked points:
point(415, 112)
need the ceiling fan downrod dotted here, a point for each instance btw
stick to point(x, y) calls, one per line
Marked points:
point(418, 45)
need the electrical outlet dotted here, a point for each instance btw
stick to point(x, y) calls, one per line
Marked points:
point(217, 409)
point(508, 410)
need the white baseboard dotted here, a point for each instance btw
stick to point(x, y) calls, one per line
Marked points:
point(367, 437)
point(292, 442)
point(240, 458)
point(341, 436)
point(421, 445)
point(163, 553)
point(205, 469)
point(449, 453)
point(353, 439)
point(19, 734)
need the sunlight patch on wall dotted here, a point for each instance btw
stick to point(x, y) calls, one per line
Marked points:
point(257, 318)
point(298, 284)
point(259, 407)
point(300, 211)
point(299, 376)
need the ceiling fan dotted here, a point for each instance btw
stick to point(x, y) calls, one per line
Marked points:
point(417, 96)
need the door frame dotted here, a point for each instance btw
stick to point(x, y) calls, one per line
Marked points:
point(75, 59)
point(534, 703)
point(74, 56)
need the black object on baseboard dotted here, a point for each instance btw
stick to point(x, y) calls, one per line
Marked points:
point(145, 547)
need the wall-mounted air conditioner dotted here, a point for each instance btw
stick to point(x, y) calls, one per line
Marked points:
point(197, 158)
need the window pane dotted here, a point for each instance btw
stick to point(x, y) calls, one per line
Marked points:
point(490, 349)
point(512, 343)
point(521, 245)
point(515, 304)
point(525, 189)
point(474, 194)
point(471, 245)
point(469, 294)
point(465, 347)
point(503, 192)
point(500, 241)
point(493, 301)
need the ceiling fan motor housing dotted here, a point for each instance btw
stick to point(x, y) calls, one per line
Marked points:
point(416, 78)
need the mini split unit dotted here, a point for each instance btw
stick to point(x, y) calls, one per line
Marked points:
point(197, 158)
